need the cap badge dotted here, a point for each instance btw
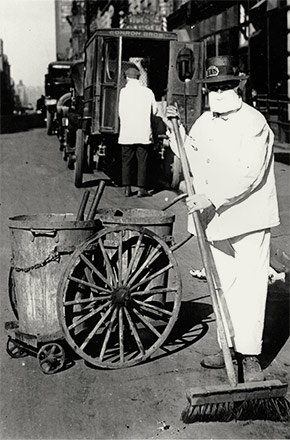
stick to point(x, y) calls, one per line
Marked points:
point(212, 71)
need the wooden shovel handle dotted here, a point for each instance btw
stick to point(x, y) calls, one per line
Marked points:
point(81, 211)
point(96, 200)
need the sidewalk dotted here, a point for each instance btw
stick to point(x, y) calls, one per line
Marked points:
point(281, 233)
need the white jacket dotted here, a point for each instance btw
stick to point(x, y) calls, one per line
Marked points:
point(232, 162)
point(136, 104)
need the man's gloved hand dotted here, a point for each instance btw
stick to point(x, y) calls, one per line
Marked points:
point(197, 202)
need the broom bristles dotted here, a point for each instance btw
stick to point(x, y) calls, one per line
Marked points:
point(224, 403)
point(273, 409)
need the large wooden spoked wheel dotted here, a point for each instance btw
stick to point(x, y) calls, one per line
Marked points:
point(119, 296)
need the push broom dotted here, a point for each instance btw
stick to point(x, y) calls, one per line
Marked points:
point(263, 400)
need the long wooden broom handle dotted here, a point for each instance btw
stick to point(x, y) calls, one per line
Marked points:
point(207, 259)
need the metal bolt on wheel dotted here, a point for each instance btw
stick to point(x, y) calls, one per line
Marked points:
point(51, 358)
point(119, 296)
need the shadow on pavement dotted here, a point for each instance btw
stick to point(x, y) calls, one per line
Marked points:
point(191, 326)
point(19, 123)
point(277, 325)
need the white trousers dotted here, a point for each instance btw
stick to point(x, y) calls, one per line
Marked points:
point(243, 263)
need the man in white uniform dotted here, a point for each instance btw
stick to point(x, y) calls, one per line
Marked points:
point(136, 105)
point(230, 153)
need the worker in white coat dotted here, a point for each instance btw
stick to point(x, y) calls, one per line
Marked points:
point(230, 154)
point(137, 105)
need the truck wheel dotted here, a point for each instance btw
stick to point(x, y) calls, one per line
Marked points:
point(49, 119)
point(79, 161)
point(70, 162)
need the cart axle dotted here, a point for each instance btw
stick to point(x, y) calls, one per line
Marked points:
point(121, 296)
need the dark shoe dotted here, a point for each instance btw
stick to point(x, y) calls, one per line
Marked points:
point(216, 360)
point(143, 193)
point(252, 369)
point(127, 191)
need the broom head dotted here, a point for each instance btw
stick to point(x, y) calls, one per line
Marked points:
point(246, 401)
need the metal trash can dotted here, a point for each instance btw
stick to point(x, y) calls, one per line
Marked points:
point(41, 246)
point(155, 220)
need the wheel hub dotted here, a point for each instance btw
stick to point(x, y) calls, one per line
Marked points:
point(121, 296)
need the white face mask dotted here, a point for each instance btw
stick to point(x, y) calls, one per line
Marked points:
point(224, 102)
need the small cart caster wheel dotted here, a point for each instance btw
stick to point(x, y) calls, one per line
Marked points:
point(14, 350)
point(51, 358)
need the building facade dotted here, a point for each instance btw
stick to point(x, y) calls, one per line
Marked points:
point(79, 29)
point(258, 33)
point(63, 29)
point(7, 92)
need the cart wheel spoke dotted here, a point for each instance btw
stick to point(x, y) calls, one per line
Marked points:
point(95, 329)
point(92, 300)
point(120, 254)
point(152, 307)
point(88, 316)
point(94, 269)
point(121, 334)
point(149, 260)
point(147, 323)
point(107, 262)
point(119, 296)
point(133, 260)
point(150, 292)
point(58, 355)
point(94, 287)
point(135, 333)
point(108, 333)
point(152, 277)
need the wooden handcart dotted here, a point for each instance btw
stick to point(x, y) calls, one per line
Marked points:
point(107, 289)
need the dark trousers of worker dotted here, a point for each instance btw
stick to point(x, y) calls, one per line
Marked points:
point(129, 152)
